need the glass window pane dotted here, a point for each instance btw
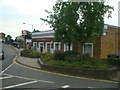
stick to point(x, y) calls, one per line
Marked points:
point(88, 49)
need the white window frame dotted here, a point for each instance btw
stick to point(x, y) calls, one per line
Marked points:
point(46, 46)
point(66, 47)
point(34, 44)
point(92, 48)
point(58, 46)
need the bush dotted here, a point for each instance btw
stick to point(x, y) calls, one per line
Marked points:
point(112, 56)
point(58, 55)
point(83, 57)
point(25, 53)
point(114, 61)
point(71, 53)
point(35, 54)
point(46, 57)
point(30, 53)
point(72, 58)
point(92, 63)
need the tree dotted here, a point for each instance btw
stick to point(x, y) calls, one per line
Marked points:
point(35, 30)
point(28, 36)
point(56, 19)
point(82, 21)
point(9, 39)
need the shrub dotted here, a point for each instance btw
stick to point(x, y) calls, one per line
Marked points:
point(112, 56)
point(30, 53)
point(46, 56)
point(114, 61)
point(58, 55)
point(83, 57)
point(71, 53)
point(25, 52)
point(35, 54)
point(72, 58)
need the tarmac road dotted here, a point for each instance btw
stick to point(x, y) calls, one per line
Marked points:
point(9, 53)
point(15, 76)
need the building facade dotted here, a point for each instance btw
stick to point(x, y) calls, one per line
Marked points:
point(108, 44)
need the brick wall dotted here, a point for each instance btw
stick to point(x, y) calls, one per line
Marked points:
point(119, 39)
point(109, 42)
point(97, 49)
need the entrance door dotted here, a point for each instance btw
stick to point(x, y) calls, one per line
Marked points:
point(41, 46)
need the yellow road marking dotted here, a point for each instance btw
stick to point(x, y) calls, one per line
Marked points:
point(62, 74)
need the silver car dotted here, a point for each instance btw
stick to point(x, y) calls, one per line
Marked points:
point(1, 55)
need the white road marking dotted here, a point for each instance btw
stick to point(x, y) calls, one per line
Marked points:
point(65, 86)
point(17, 85)
point(91, 87)
point(6, 77)
point(29, 78)
point(7, 68)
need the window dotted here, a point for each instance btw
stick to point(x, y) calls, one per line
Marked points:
point(48, 46)
point(35, 45)
point(57, 45)
point(66, 47)
point(88, 49)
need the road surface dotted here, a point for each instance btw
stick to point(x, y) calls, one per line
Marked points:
point(15, 76)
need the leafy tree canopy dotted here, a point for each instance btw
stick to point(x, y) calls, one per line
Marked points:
point(81, 21)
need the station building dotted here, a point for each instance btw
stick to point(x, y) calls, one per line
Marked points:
point(108, 43)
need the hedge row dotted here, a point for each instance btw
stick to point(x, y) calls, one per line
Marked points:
point(31, 53)
point(72, 59)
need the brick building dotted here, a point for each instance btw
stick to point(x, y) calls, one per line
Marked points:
point(109, 43)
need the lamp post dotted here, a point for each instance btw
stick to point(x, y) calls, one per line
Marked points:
point(25, 35)
point(31, 25)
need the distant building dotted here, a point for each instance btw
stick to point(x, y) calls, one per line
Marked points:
point(25, 32)
point(107, 44)
point(2, 37)
point(19, 38)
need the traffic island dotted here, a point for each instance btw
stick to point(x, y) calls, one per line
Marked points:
point(84, 72)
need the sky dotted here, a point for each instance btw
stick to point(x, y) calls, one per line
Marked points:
point(13, 13)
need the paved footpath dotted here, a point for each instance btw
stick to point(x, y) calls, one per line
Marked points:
point(28, 62)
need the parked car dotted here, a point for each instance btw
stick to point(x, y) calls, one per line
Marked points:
point(1, 55)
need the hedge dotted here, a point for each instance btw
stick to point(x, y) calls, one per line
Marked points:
point(31, 53)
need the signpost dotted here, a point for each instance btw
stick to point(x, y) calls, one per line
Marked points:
point(24, 33)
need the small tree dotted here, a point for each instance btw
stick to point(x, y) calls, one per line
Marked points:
point(80, 21)
point(35, 30)
point(9, 39)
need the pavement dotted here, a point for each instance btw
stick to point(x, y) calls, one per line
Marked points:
point(33, 63)
point(30, 62)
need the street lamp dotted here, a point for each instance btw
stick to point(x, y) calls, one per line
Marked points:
point(25, 35)
point(31, 25)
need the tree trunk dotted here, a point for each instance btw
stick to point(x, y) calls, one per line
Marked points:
point(81, 51)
